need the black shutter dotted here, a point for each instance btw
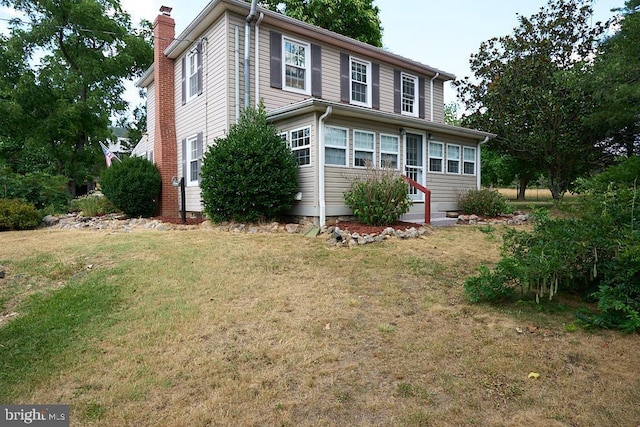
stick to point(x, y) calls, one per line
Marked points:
point(421, 108)
point(184, 160)
point(316, 71)
point(200, 67)
point(375, 86)
point(345, 92)
point(397, 92)
point(276, 59)
point(184, 80)
point(199, 146)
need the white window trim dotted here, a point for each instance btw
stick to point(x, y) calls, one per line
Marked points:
point(369, 82)
point(192, 56)
point(475, 154)
point(372, 151)
point(339, 147)
point(190, 159)
point(459, 159)
point(307, 67)
point(294, 149)
point(430, 156)
point(397, 153)
point(416, 95)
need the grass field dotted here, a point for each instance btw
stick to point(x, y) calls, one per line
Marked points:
point(199, 328)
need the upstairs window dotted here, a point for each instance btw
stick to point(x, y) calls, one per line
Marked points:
point(296, 66)
point(300, 142)
point(192, 61)
point(409, 94)
point(360, 82)
point(192, 158)
point(192, 74)
point(363, 148)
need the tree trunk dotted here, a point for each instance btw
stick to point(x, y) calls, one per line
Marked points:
point(523, 183)
point(556, 186)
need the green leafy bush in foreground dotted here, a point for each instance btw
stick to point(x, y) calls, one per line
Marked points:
point(250, 175)
point(380, 197)
point(18, 215)
point(596, 253)
point(93, 204)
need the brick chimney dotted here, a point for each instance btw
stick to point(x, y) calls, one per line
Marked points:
point(165, 146)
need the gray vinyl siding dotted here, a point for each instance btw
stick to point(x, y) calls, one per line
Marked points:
point(234, 21)
point(197, 115)
point(151, 112)
point(307, 175)
point(438, 101)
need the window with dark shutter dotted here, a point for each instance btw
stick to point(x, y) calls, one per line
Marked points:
point(184, 80)
point(199, 153)
point(316, 71)
point(421, 100)
point(200, 67)
point(397, 91)
point(375, 86)
point(345, 90)
point(275, 40)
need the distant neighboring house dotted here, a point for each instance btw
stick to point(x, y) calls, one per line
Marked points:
point(340, 104)
point(118, 145)
point(144, 148)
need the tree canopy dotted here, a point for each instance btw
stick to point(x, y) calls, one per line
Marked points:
point(529, 89)
point(63, 68)
point(358, 19)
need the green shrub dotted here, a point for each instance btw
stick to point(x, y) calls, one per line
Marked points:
point(133, 186)
point(380, 197)
point(93, 204)
point(596, 254)
point(251, 174)
point(18, 215)
point(483, 202)
point(42, 190)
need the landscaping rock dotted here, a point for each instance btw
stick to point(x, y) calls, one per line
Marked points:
point(292, 228)
point(50, 220)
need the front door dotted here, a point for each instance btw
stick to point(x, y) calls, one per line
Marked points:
point(414, 163)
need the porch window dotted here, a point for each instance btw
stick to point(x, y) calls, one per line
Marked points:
point(360, 82)
point(453, 159)
point(409, 92)
point(469, 161)
point(335, 145)
point(436, 157)
point(389, 151)
point(363, 148)
point(296, 66)
point(300, 143)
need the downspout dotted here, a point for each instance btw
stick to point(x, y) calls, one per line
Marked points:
point(237, 72)
point(257, 59)
point(431, 92)
point(486, 138)
point(247, 48)
point(321, 193)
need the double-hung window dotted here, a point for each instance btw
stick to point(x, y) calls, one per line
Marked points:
point(436, 156)
point(360, 82)
point(296, 66)
point(469, 160)
point(193, 67)
point(193, 171)
point(409, 95)
point(364, 148)
point(300, 143)
point(389, 151)
point(335, 145)
point(453, 159)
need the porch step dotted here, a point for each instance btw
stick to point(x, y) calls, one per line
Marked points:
point(438, 219)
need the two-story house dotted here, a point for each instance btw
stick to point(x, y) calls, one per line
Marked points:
point(340, 105)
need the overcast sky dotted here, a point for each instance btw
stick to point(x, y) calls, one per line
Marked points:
point(442, 34)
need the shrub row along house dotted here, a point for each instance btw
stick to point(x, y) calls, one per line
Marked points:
point(340, 105)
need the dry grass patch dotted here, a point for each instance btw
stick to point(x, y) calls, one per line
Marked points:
point(238, 329)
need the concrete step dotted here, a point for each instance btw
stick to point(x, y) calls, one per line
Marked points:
point(438, 219)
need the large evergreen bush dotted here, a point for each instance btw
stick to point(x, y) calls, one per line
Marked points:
point(133, 186)
point(596, 253)
point(251, 174)
point(16, 214)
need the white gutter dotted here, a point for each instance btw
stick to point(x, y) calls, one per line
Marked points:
point(257, 59)
point(321, 196)
point(431, 92)
point(247, 48)
point(478, 184)
point(237, 72)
